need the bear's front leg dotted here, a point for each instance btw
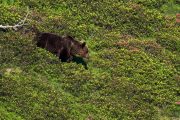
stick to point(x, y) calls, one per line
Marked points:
point(70, 58)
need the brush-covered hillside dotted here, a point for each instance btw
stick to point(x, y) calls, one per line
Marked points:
point(133, 72)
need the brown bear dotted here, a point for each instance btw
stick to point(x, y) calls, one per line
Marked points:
point(64, 47)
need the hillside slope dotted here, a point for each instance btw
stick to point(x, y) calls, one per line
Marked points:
point(133, 70)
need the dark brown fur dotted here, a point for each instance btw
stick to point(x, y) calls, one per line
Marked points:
point(64, 47)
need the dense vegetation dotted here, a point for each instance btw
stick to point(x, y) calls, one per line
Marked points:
point(133, 70)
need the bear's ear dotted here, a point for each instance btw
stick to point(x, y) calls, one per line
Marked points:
point(83, 44)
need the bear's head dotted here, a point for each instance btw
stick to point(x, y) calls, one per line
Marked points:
point(78, 48)
point(83, 50)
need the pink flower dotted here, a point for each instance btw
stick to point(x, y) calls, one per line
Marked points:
point(177, 103)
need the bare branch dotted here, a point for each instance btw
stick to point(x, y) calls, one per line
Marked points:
point(20, 24)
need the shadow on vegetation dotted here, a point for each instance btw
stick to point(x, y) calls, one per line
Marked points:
point(80, 60)
point(0, 75)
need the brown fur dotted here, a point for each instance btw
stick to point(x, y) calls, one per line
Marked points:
point(64, 47)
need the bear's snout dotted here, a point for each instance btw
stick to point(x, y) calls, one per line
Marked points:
point(87, 56)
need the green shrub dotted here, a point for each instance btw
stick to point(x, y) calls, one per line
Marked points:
point(168, 41)
point(128, 76)
point(152, 3)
